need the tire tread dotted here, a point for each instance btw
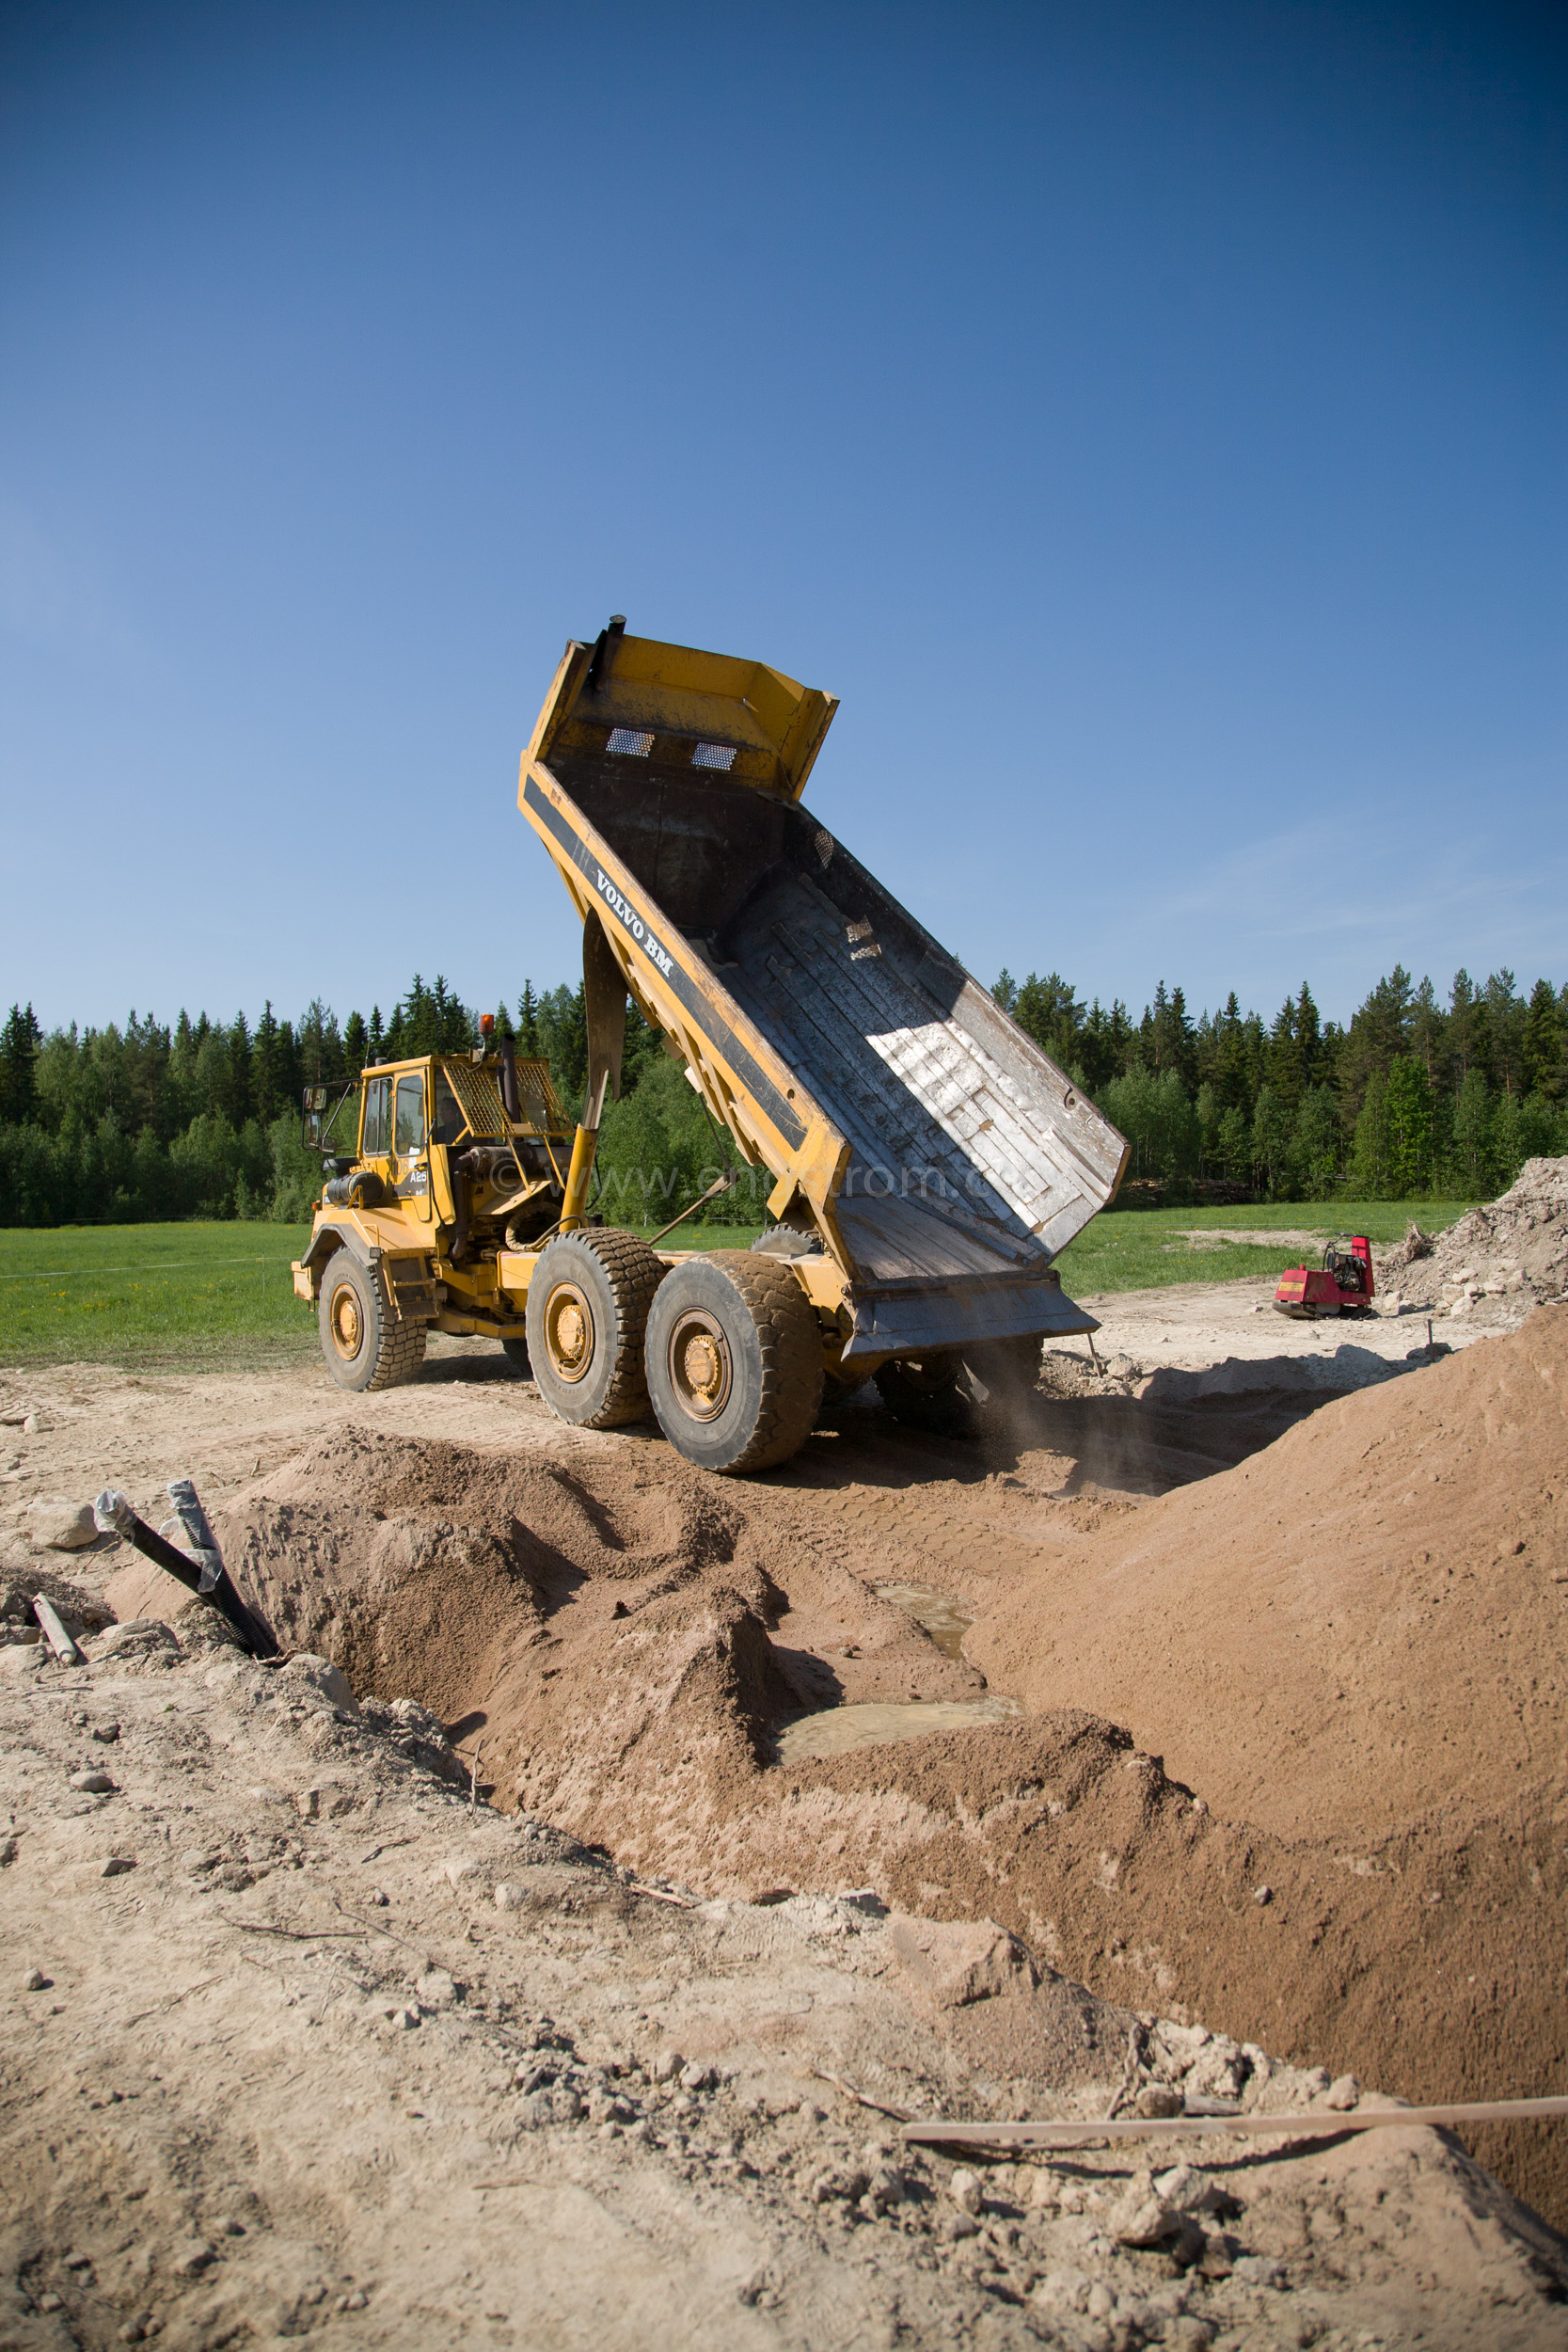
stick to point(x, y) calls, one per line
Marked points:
point(791, 1357)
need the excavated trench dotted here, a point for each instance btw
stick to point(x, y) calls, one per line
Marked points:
point(909, 1666)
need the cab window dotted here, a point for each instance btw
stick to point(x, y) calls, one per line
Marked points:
point(449, 1118)
point(410, 1135)
point(378, 1102)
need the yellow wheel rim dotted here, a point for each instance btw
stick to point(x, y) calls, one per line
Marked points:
point(343, 1320)
point(699, 1360)
point(569, 1334)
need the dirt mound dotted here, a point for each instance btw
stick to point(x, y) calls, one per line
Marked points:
point(1514, 1246)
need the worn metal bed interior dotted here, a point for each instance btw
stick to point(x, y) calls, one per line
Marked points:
point(949, 1142)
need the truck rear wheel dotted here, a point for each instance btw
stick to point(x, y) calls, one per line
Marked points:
point(587, 1312)
point(367, 1345)
point(735, 1361)
point(928, 1393)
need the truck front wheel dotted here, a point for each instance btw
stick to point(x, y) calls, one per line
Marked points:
point(587, 1311)
point(735, 1361)
point(366, 1344)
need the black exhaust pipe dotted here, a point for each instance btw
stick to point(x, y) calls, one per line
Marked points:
point(205, 1575)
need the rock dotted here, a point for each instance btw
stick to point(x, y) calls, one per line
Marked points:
point(106, 1734)
point(950, 1963)
point(510, 1897)
point(964, 2189)
point(1156, 2099)
point(1343, 2092)
point(21, 1658)
point(56, 1524)
point(459, 1871)
point(191, 2258)
point(1141, 2217)
point(436, 1989)
point(1219, 2071)
point(1188, 2333)
point(134, 2329)
point(113, 1866)
point(960, 2225)
point(839, 2184)
point(35, 1981)
point(887, 2186)
point(307, 1672)
point(667, 2066)
point(1187, 2191)
point(698, 2078)
point(92, 1784)
point(1063, 2291)
point(147, 1633)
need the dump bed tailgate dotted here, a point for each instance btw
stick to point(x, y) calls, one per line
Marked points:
point(945, 1159)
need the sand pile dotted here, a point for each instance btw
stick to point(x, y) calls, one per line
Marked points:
point(1353, 1851)
point(1515, 1248)
point(1360, 1625)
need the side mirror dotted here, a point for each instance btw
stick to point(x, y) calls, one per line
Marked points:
point(314, 1102)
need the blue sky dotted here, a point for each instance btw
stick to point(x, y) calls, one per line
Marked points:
point(1149, 419)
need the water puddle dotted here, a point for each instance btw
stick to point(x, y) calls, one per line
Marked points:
point(875, 1724)
point(938, 1614)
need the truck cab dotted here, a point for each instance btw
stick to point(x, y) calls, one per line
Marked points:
point(434, 1165)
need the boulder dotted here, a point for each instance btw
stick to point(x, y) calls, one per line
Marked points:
point(54, 1523)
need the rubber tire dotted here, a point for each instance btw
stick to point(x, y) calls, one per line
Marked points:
point(516, 1352)
point(775, 1351)
point(618, 1275)
point(940, 1409)
point(391, 1349)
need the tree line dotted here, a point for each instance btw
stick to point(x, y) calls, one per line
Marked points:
point(1416, 1095)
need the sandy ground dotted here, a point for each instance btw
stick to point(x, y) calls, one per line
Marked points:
point(300, 2042)
point(614, 1641)
point(1198, 1328)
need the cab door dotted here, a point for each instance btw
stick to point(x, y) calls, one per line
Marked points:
point(375, 1134)
point(408, 1169)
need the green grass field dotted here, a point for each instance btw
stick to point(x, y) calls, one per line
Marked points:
point(212, 1294)
point(123, 1294)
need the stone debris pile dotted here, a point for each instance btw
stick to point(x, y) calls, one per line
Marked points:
point(1513, 1251)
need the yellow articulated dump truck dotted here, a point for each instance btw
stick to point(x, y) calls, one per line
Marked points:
point(929, 1161)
